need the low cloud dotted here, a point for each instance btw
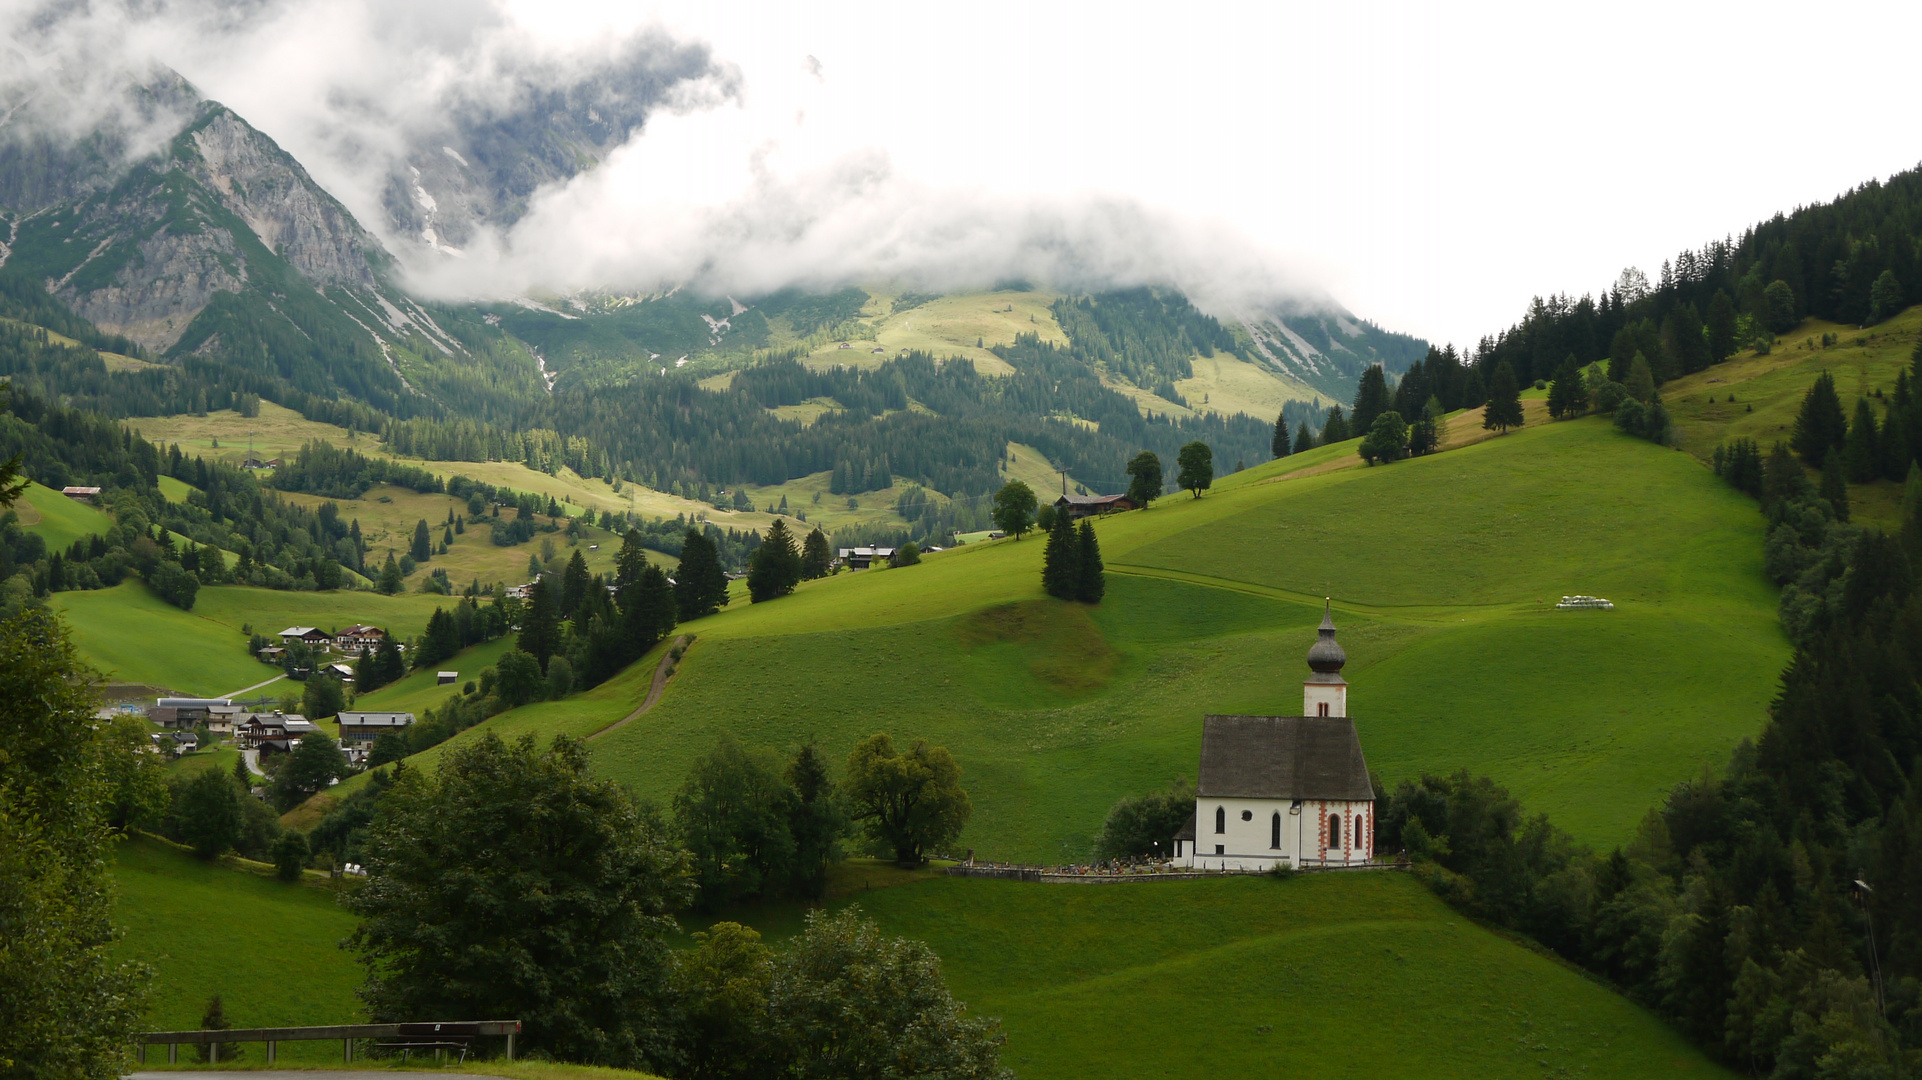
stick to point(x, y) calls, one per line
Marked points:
point(455, 131)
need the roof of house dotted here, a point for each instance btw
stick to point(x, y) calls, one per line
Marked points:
point(362, 630)
point(1282, 757)
point(1090, 500)
point(80, 491)
point(299, 631)
point(375, 719)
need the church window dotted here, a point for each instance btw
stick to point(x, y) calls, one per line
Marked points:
point(1221, 819)
point(1321, 709)
point(1274, 831)
point(1219, 850)
point(1247, 815)
point(1334, 830)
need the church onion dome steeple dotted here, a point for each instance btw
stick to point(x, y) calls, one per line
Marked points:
point(1325, 656)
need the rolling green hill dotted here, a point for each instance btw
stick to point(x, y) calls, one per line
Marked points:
point(1458, 658)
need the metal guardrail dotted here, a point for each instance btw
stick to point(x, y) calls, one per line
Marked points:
point(422, 1035)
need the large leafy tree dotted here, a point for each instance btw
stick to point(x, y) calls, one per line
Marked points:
point(909, 802)
point(700, 585)
point(1780, 309)
point(512, 882)
point(732, 816)
point(1196, 465)
point(775, 567)
point(67, 1006)
point(1144, 476)
point(1140, 825)
point(207, 813)
point(314, 765)
point(1387, 440)
point(1504, 408)
point(1014, 508)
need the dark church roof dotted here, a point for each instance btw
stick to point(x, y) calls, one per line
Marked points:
point(1282, 757)
point(1187, 832)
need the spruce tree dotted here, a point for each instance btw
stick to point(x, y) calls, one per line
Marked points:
point(1371, 399)
point(775, 567)
point(1894, 446)
point(1641, 380)
point(1090, 580)
point(1721, 323)
point(242, 775)
point(1335, 430)
point(1060, 561)
point(1568, 393)
point(1861, 454)
point(1504, 408)
point(700, 585)
point(390, 580)
point(423, 546)
point(816, 559)
point(576, 583)
point(540, 623)
point(1835, 486)
point(1820, 426)
point(1304, 439)
point(1280, 446)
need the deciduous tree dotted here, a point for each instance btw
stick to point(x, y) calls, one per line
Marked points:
point(1014, 508)
point(909, 802)
point(1387, 441)
point(1196, 463)
point(510, 881)
point(1144, 476)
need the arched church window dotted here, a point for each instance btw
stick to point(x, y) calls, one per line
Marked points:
point(1321, 709)
point(1274, 831)
point(1334, 830)
point(1221, 819)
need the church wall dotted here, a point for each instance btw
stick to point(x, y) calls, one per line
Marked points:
point(1246, 844)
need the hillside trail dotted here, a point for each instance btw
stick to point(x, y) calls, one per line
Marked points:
point(653, 691)
point(256, 686)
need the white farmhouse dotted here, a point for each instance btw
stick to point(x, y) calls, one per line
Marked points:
point(1284, 789)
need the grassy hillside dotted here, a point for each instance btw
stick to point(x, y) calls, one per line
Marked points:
point(268, 948)
point(1345, 975)
point(1458, 658)
point(136, 637)
point(59, 520)
point(1341, 976)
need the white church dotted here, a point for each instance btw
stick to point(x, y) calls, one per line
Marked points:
point(1288, 790)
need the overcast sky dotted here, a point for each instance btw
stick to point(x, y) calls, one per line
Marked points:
point(1430, 166)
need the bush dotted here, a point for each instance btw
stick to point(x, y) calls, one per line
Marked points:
point(1137, 823)
point(290, 855)
point(174, 585)
point(560, 677)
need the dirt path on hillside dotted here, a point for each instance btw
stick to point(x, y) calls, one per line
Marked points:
point(661, 672)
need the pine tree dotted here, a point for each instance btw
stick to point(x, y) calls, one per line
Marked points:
point(1820, 426)
point(1835, 485)
point(1504, 408)
point(1861, 454)
point(390, 581)
point(242, 775)
point(541, 623)
point(1090, 580)
point(1894, 445)
point(423, 546)
point(1721, 323)
point(1641, 380)
point(775, 567)
point(1304, 439)
point(816, 559)
point(1060, 561)
point(1335, 429)
point(440, 641)
point(576, 582)
point(700, 585)
point(1280, 445)
point(1371, 399)
point(1567, 394)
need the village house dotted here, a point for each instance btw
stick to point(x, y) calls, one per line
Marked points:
point(860, 558)
point(362, 728)
point(446, 678)
point(1289, 790)
point(1080, 506)
point(310, 635)
point(359, 639)
point(173, 712)
point(81, 494)
point(273, 731)
point(341, 671)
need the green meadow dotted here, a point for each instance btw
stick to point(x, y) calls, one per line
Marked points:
point(1329, 975)
point(270, 949)
point(1458, 657)
point(59, 520)
point(135, 637)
